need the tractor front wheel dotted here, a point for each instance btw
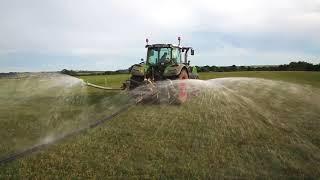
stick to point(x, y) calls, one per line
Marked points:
point(135, 81)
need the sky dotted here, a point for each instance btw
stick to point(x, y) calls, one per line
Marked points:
point(37, 35)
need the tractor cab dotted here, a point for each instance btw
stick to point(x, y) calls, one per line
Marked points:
point(161, 54)
point(167, 54)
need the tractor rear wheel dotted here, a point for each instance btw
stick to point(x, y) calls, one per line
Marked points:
point(182, 86)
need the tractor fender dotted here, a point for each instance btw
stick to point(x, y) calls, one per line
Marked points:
point(137, 70)
point(193, 74)
point(174, 70)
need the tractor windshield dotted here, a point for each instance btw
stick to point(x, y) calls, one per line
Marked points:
point(158, 55)
point(176, 55)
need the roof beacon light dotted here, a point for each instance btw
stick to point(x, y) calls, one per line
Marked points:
point(179, 39)
point(147, 41)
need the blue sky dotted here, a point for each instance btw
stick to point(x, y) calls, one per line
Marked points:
point(51, 35)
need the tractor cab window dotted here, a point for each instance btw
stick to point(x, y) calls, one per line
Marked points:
point(176, 55)
point(158, 55)
point(164, 55)
point(153, 55)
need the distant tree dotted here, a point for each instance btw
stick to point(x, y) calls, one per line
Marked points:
point(205, 69)
point(108, 73)
point(213, 68)
point(233, 68)
point(65, 71)
point(68, 72)
point(242, 68)
point(317, 67)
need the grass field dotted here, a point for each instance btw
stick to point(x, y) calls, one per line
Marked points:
point(114, 81)
point(235, 128)
point(300, 77)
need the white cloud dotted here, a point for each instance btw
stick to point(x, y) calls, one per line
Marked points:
point(105, 28)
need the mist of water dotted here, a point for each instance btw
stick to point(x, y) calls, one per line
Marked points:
point(41, 107)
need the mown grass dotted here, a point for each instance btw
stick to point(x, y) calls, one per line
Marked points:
point(260, 130)
point(35, 108)
point(114, 81)
point(300, 77)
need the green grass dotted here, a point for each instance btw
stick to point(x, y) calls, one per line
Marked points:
point(36, 107)
point(114, 81)
point(243, 130)
point(301, 77)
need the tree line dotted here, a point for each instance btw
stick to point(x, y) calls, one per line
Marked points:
point(90, 73)
point(293, 66)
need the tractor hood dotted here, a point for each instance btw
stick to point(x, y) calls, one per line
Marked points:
point(139, 69)
point(173, 70)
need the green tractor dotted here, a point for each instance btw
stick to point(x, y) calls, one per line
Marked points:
point(164, 62)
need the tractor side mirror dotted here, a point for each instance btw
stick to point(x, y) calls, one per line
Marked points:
point(192, 52)
point(188, 63)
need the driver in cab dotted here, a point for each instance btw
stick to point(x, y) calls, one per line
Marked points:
point(164, 58)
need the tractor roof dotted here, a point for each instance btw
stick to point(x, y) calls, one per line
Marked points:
point(162, 46)
point(167, 46)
